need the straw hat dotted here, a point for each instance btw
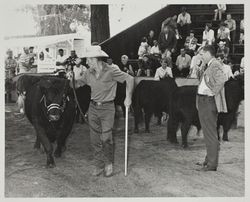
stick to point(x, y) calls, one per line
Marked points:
point(94, 52)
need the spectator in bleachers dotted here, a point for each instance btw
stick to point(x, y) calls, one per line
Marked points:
point(144, 66)
point(183, 23)
point(70, 62)
point(163, 71)
point(110, 62)
point(167, 41)
point(172, 23)
point(151, 38)
point(125, 66)
point(143, 49)
point(197, 64)
point(191, 44)
point(183, 64)
point(155, 49)
point(222, 49)
point(223, 34)
point(241, 40)
point(231, 25)
point(221, 8)
point(208, 35)
point(226, 68)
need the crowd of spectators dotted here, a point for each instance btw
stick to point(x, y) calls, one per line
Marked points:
point(158, 56)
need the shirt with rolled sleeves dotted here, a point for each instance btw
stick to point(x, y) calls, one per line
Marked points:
point(103, 88)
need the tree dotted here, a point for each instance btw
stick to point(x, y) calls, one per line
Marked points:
point(99, 21)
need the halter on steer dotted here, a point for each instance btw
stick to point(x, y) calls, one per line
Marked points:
point(55, 105)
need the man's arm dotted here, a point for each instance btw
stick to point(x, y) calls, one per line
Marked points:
point(120, 76)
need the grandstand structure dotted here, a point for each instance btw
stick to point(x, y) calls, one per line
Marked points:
point(128, 41)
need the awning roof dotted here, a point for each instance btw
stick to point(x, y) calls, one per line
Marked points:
point(40, 41)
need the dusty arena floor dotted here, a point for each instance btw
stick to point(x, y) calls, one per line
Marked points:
point(156, 168)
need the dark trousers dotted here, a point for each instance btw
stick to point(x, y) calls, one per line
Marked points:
point(180, 73)
point(208, 117)
point(184, 31)
point(101, 121)
point(232, 36)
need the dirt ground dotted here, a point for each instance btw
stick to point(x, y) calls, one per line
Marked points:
point(156, 168)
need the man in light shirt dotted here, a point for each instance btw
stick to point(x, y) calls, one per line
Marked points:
point(183, 23)
point(231, 25)
point(226, 68)
point(208, 35)
point(223, 34)
point(183, 64)
point(163, 71)
point(209, 103)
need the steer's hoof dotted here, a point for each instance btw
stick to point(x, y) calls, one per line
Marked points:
point(184, 146)
point(147, 131)
point(136, 131)
point(225, 139)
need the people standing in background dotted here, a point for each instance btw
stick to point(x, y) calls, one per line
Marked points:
point(183, 23)
point(183, 64)
point(151, 38)
point(231, 25)
point(221, 8)
point(163, 71)
point(24, 60)
point(191, 44)
point(241, 40)
point(143, 49)
point(60, 62)
point(167, 41)
point(71, 60)
point(125, 66)
point(208, 35)
point(223, 34)
point(211, 101)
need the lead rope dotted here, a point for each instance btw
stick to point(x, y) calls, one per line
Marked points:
point(82, 114)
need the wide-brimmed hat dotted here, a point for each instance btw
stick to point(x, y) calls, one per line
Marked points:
point(94, 52)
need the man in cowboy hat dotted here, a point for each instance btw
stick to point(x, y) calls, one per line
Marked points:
point(103, 78)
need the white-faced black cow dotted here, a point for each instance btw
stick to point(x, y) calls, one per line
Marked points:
point(184, 111)
point(50, 107)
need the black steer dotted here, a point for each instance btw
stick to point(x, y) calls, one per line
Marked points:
point(50, 107)
point(153, 97)
point(184, 111)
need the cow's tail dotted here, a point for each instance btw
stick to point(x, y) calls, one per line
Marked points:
point(20, 102)
point(136, 105)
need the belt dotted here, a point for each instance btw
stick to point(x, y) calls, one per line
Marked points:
point(205, 95)
point(101, 103)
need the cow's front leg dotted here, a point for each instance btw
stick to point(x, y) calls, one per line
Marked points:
point(37, 144)
point(41, 134)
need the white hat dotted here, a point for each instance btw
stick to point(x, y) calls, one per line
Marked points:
point(94, 52)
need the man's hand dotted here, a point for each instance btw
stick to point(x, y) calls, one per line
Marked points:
point(127, 101)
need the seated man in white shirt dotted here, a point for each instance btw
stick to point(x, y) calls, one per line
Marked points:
point(163, 71)
point(155, 48)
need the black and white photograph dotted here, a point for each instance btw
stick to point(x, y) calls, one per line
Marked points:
point(123, 99)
